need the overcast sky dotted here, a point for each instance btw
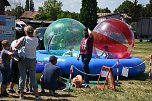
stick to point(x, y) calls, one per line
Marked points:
point(75, 5)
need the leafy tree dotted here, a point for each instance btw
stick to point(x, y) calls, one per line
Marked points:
point(50, 10)
point(18, 11)
point(67, 14)
point(125, 7)
point(105, 10)
point(88, 13)
point(132, 9)
point(27, 5)
point(148, 12)
point(136, 11)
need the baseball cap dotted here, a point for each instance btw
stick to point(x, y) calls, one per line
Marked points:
point(52, 58)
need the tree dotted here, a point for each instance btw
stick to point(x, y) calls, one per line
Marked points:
point(105, 10)
point(31, 5)
point(125, 7)
point(27, 5)
point(148, 9)
point(88, 13)
point(50, 10)
point(67, 14)
point(18, 11)
point(132, 9)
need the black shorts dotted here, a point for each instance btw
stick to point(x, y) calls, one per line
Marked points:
point(14, 72)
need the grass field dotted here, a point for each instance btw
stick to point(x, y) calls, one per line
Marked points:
point(132, 89)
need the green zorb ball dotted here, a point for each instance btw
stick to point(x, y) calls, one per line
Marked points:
point(63, 34)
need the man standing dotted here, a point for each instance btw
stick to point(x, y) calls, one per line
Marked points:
point(86, 47)
point(51, 78)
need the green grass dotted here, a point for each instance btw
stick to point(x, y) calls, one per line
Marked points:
point(132, 89)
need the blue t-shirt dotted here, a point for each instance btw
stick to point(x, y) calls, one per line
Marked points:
point(50, 74)
point(5, 58)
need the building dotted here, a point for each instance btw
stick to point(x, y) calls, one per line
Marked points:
point(3, 3)
point(104, 16)
point(28, 15)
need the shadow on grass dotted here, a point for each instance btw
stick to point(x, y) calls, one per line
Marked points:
point(55, 99)
point(25, 97)
point(60, 97)
point(141, 77)
point(64, 95)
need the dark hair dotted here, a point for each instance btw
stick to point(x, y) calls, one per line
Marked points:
point(52, 58)
point(86, 29)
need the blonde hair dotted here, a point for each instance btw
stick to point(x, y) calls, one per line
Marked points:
point(35, 33)
point(29, 30)
point(5, 43)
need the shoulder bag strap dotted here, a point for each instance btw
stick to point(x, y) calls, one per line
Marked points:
point(24, 40)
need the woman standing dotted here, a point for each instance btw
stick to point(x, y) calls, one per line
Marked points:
point(29, 63)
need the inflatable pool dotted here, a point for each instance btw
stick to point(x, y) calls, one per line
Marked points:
point(135, 65)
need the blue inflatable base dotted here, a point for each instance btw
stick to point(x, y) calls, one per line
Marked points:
point(135, 65)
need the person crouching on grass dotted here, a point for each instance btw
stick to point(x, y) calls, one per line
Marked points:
point(51, 77)
point(5, 67)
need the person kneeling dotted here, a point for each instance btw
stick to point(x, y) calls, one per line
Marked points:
point(51, 77)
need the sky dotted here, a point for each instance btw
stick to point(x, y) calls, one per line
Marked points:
point(75, 5)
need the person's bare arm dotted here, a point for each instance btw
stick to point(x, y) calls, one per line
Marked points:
point(19, 42)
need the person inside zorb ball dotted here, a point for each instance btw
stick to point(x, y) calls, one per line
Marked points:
point(116, 35)
point(63, 34)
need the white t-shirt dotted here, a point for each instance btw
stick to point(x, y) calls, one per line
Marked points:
point(13, 44)
point(30, 44)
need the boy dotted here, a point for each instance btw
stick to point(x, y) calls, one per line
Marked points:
point(5, 67)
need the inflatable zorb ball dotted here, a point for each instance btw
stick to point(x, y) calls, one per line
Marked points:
point(116, 36)
point(63, 34)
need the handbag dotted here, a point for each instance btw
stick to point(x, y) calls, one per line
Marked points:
point(21, 50)
point(19, 54)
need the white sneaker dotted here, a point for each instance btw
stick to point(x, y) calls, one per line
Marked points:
point(38, 98)
point(21, 97)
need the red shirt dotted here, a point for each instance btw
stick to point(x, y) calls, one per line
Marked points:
point(86, 45)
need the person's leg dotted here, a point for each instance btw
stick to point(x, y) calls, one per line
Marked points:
point(61, 85)
point(5, 76)
point(32, 72)
point(42, 85)
point(14, 76)
point(27, 81)
point(85, 61)
point(31, 87)
point(22, 72)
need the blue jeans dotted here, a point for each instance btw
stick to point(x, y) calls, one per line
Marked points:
point(85, 60)
point(30, 65)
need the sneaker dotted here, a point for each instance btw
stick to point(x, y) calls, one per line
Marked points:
point(86, 86)
point(11, 91)
point(31, 90)
point(38, 98)
point(52, 93)
point(22, 97)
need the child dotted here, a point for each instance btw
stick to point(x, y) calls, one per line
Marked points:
point(5, 67)
point(107, 53)
point(77, 81)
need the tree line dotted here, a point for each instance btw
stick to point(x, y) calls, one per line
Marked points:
point(51, 10)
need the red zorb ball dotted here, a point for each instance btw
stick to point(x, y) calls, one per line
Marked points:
point(115, 35)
